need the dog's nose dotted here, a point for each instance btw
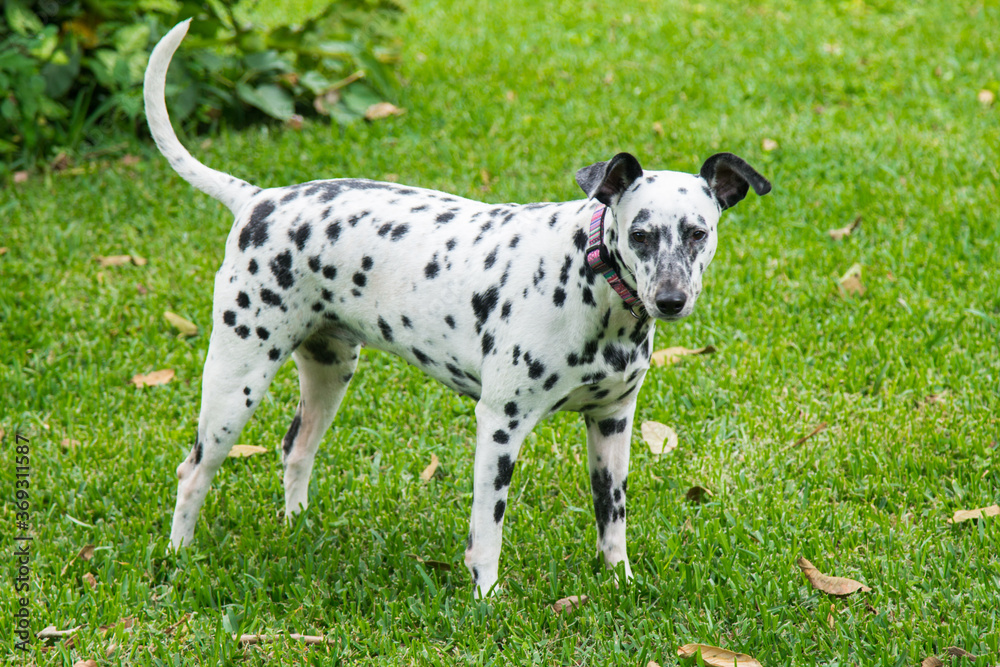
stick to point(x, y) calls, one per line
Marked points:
point(671, 302)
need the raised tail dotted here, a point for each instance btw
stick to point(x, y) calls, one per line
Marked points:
point(229, 190)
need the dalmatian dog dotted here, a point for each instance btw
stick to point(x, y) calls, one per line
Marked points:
point(527, 309)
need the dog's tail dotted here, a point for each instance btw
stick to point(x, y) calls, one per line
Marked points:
point(227, 189)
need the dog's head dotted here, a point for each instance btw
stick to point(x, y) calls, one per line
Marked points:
point(661, 226)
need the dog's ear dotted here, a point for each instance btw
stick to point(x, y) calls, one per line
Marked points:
point(730, 177)
point(606, 180)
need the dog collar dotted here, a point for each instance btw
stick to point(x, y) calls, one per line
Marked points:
point(598, 259)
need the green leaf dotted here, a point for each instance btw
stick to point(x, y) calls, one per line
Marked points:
point(315, 82)
point(22, 20)
point(269, 98)
point(357, 97)
point(266, 61)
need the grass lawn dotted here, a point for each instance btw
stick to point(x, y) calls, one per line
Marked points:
point(852, 109)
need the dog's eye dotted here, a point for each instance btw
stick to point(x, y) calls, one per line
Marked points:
point(699, 235)
point(638, 236)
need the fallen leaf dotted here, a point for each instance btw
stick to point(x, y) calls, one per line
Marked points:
point(323, 104)
point(698, 495)
point(769, 145)
point(957, 652)
point(986, 97)
point(3, 250)
point(264, 639)
point(181, 621)
point(931, 661)
point(139, 260)
point(812, 433)
point(569, 603)
point(185, 327)
point(717, 657)
point(69, 443)
point(430, 469)
point(434, 564)
point(383, 110)
point(85, 663)
point(652, 664)
point(294, 122)
point(850, 282)
point(965, 515)
point(658, 128)
point(50, 632)
point(660, 437)
point(114, 260)
point(832, 617)
point(90, 580)
point(672, 355)
point(20, 176)
point(130, 160)
point(243, 451)
point(838, 234)
point(126, 623)
point(86, 553)
point(826, 583)
point(510, 95)
point(155, 378)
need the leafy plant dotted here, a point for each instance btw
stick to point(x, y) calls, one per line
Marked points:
point(71, 72)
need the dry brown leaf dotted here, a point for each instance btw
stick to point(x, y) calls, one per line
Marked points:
point(3, 250)
point(812, 433)
point(431, 563)
point(827, 584)
point(85, 663)
point(265, 639)
point(69, 443)
point(430, 469)
point(295, 122)
point(242, 451)
point(155, 378)
point(114, 260)
point(130, 160)
point(979, 513)
point(717, 657)
point(86, 553)
point(20, 176)
point(838, 234)
point(173, 627)
point(139, 260)
point(569, 603)
point(50, 632)
point(90, 580)
point(660, 437)
point(986, 97)
point(957, 652)
point(769, 145)
point(698, 495)
point(383, 110)
point(672, 355)
point(831, 618)
point(183, 326)
point(850, 283)
point(931, 661)
point(658, 128)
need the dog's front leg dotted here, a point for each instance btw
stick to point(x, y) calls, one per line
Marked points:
point(608, 439)
point(500, 430)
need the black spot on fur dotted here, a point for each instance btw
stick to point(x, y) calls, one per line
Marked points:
point(281, 267)
point(198, 450)
point(255, 231)
point(314, 264)
point(263, 333)
point(385, 229)
point(483, 304)
point(359, 279)
point(559, 297)
point(505, 311)
point(501, 437)
point(612, 426)
point(421, 357)
point(498, 511)
point(505, 470)
point(270, 298)
point(445, 217)
point(252, 267)
point(514, 241)
point(246, 391)
point(432, 268)
point(564, 271)
point(333, 231)
point(293, 431)
point(580, 240)
point(487, 343)
point(406, 322)
point(367, 263)
point(242, 331)
point(229, 317)
point(600, 486)
point(329, 272)
point(450, 245)
point(491, 258)
point(317, 348)
point(550, 381)
point(616, 357)
point(399, 232)
point(274, 354)
point(450, 321)
point(301, 235)
point(386, 330)
point(535, 368)
point(510, 409)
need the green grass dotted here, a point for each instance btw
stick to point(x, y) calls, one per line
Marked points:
point(874, 110)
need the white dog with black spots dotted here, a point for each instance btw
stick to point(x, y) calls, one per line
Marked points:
point(528, 309)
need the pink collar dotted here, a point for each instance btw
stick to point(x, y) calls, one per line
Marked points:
point(597, 258)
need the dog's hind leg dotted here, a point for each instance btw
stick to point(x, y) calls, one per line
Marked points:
point(326, 365)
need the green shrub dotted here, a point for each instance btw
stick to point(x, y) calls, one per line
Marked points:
point(71, 71)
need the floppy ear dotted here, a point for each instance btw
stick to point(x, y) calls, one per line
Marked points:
point(730, 177)
point(607, 180)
